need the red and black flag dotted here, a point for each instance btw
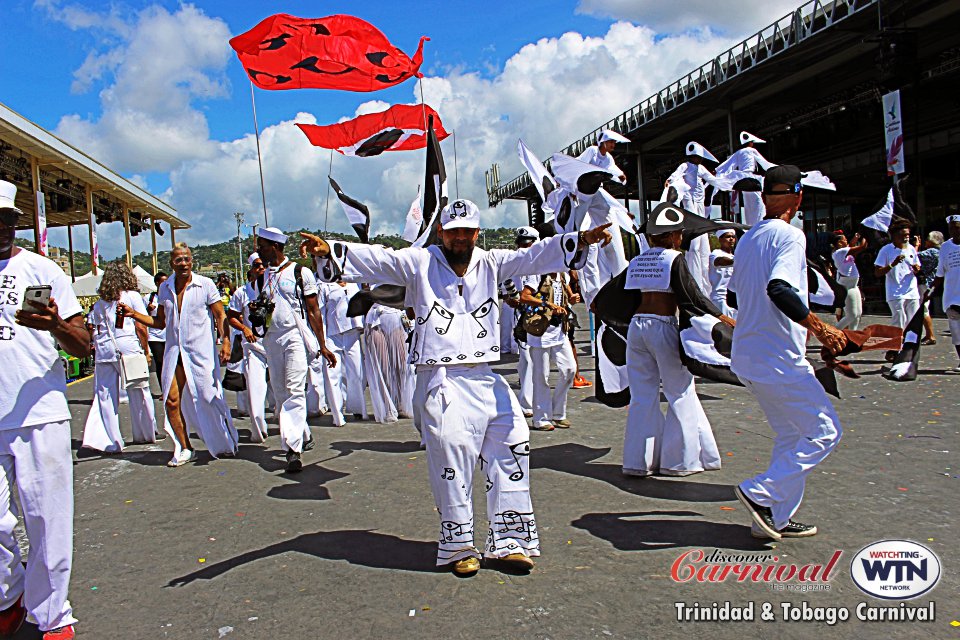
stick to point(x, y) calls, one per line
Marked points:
point(357, 213)
point(434, 189)
point(335, 52)
point(402, 127)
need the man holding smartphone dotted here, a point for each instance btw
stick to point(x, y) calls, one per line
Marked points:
point(35, 432)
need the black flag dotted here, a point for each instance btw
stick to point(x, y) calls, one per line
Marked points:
point(904, 367)
point(357, 212)
point(434, 189)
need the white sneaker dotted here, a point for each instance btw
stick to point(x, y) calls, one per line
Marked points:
point(181, 458)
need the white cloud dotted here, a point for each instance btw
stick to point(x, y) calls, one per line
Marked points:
point(160, 65)
point(738, 18)
point(550, 93)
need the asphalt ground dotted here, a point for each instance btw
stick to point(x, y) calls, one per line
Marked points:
point(238, 549)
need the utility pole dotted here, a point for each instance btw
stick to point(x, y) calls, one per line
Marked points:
point(239, 218)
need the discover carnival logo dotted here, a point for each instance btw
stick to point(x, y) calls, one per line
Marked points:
point(895, 569)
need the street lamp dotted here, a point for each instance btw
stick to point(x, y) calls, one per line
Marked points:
point(239, 218)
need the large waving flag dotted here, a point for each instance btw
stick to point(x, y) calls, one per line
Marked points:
point(434, 189)
point(402, 127)
point(357, 213)
point(542, 180)
point(335, 52)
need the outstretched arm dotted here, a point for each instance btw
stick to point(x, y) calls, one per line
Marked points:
point(354, 262)
point(553, 255)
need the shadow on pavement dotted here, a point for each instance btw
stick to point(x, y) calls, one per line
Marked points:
point(360, 547)
point(652, 530)
point(346, 447)
point(575, 459)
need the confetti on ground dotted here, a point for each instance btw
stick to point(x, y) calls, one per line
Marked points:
point(929, 539)
point(424, 608)
point(252, 619)
point(730, 453)
point(201, 560)
point(727, 509)
point(239, 514)
point(954, 623)
point(901, 489)
point(93, 588)
point(127, 501)
point(224, 631)
point(412, 613)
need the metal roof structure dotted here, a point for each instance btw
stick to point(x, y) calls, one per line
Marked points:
point(810, 83)
point(65, 174)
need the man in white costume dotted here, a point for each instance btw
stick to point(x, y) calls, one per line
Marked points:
point(550, 291)
point(191, 310)
point(690, 180)
point(35, 452)
point(294, 336)
point(344, 334)
point(721, 269)
point(948, 281)
point(768, 355)
point(899, 264)
point(254, 355)
point(467, 412)
point(747, 159)
point(599, 155)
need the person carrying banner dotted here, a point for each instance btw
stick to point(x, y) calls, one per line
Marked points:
point(468, 412)
point(768, 356)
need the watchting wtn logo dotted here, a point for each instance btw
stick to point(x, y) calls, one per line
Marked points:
point(895, 569)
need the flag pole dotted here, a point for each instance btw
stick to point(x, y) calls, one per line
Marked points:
point(256, 129)
point(456, 172)
point(326, 207)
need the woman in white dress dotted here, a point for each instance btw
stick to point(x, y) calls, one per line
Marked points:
point(102, 429)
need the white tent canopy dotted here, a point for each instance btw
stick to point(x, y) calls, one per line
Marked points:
point(87, 284)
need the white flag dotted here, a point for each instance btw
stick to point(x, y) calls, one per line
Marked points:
point(414, 219)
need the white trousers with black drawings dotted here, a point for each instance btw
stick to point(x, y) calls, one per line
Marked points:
point(470, 416)
point(682, 440)
point(806, 429)
point(37, 460)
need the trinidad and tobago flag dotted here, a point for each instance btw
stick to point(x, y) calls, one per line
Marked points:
point(402, 127)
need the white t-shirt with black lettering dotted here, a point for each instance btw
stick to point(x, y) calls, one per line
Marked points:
point(32, 378)
point(768, 347)
point(948, 268)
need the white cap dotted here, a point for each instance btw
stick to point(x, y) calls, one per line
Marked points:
point(273, 234)
point(746, 136)
point(697, 149)
point(607, 134)
point(723, 232)
point(953, 218)
point(460, 214)
point(8, 195)
point(527, 233)
point(253, 258)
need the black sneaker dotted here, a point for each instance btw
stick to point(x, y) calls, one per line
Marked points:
point(793, 529)
point(762, 516)
point(308, 445)
point(294, 463)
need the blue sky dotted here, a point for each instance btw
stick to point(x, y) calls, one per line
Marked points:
point(152, 89)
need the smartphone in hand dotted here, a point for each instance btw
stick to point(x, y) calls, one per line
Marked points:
point(36, 293)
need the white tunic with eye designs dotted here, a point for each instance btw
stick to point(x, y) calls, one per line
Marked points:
point(457, 319)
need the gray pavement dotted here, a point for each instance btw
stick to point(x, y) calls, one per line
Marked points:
point(237, 549)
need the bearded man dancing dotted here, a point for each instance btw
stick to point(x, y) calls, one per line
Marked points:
point(468, 412)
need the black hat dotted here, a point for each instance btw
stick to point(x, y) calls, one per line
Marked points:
point(669, 217)
point(786, 174)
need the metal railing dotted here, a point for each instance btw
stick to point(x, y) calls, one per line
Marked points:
point(808, 19)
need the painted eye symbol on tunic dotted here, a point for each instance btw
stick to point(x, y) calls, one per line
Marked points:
point(482, 312)
point(446, 314)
